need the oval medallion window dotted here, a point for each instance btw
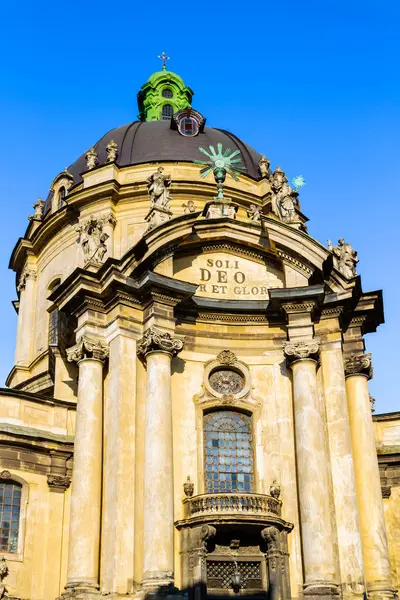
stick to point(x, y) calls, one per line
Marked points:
point(226, 381)
point(188, 126)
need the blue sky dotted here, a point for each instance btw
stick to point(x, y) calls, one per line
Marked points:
point(314, 85)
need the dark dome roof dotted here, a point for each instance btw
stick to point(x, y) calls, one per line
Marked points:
point(155, 141)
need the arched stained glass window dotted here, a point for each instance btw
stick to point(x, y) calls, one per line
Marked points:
point(167, 112)
point(228, 453)
point(10, 506)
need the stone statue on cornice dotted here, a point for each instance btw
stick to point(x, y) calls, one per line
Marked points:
point(344, 258)
point(285, 199)
point(158, 186)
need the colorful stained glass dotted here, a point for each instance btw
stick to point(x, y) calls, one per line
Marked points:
point(228, 452)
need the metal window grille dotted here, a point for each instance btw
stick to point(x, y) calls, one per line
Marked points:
point(167, 112)
point(228, 452)
point(219, 574)
point(10, 506)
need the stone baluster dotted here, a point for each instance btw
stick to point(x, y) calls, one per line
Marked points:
point(26, 314)
point(358, 371)
point(312, 467)
point(157, 348)
point(84, 540)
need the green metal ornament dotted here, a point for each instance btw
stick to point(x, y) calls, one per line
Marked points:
point(298, 182)
point(221, 162)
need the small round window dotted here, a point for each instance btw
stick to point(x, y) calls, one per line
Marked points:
point(166, 94)
point(226, 381)
point(188, 126)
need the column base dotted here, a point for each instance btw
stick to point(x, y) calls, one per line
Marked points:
point(321, 590)
point(157, 584)
point(380, 590)
point(81, 590)
point(158, 579)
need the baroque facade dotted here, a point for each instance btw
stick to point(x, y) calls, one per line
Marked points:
point(188, 412)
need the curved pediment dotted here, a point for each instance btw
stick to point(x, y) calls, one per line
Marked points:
point(194, 249)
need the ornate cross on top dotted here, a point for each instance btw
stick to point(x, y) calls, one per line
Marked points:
point(164, 57)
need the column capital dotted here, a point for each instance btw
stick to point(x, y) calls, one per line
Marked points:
point(27, 273)
point(358, 364)
point(88, 347)
point(301, 350)
point(58, 483)
point(155, 340)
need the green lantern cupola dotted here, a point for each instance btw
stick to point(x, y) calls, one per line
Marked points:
point(163, 94)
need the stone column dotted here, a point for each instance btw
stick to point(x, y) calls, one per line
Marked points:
point(312, 471)
point(26, 314)
point(341, 457)
point(158, 348)
point(117, 531)
point(84, 537)
point(375, 551)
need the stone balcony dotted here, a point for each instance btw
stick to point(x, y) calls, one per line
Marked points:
point(232, 507)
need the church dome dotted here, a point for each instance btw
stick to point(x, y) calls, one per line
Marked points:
point(155, 141)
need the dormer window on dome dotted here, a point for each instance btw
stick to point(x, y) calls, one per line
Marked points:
point(188, 122)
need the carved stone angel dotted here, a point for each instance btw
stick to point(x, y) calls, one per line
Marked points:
point(344, 258)
point(158, 186)
point(254, 213)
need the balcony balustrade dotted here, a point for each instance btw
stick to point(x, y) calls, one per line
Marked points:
point(234, 504)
